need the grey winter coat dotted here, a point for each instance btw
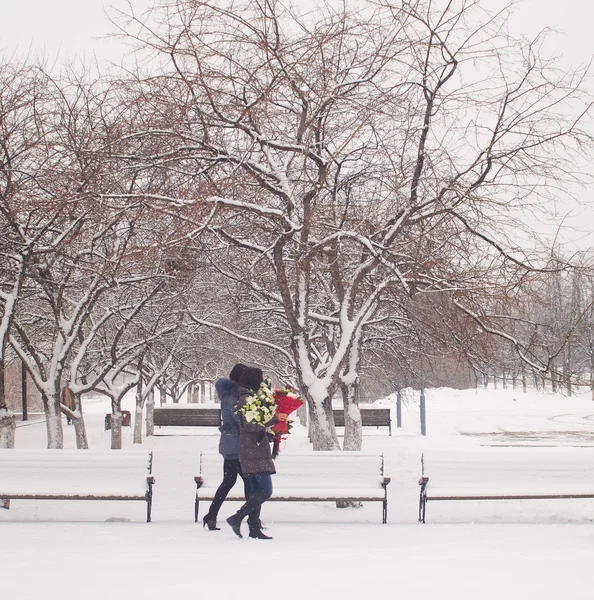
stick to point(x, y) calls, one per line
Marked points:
point(229, 442)
point(255, 455)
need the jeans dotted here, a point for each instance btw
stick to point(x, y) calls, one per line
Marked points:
point(261, 483)
point(260, 486)
point(231, 469)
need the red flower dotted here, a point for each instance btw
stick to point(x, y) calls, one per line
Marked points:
point(287, 401)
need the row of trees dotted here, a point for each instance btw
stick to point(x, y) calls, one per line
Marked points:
point(339, 196)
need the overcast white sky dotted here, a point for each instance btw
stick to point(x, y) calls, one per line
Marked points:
point(70, 27)
point(60, 29)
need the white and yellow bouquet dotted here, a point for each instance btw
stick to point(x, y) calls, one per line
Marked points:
point(260, 407)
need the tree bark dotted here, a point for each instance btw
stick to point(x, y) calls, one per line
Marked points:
point(78, 421)
point(7, 418)
point(137, 436)
point(150, 414)
point(116, 429)
point(53, 421)
point(322, 430)
point(353, 429)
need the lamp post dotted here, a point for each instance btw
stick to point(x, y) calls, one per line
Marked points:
point(24, 390)
point(423, 413)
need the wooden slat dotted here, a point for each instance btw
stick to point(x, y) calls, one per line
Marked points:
point(187, 416)
point(370, 417)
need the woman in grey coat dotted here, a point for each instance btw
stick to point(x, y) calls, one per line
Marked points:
point(255, 458)
point(228, 393)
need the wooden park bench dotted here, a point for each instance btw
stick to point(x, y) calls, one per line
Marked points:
point(186, 415)
point(370, 417)
point(528, 473)
point(77, 475)
point(307, 477)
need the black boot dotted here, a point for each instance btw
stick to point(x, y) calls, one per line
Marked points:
point(235, 522)
point(210, 522)
point(258, 534)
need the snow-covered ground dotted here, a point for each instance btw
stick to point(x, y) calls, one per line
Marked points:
point(488, 550)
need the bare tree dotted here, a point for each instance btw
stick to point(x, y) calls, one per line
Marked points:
point(349, 155)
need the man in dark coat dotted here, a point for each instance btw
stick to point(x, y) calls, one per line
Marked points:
point(227, 391)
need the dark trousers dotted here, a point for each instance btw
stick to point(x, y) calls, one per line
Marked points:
point(231, 469)
point(260, 490)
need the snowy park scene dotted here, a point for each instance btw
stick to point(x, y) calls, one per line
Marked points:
point(296, 299)
point(466, 549)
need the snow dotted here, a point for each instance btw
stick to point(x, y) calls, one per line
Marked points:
point(70, 472)
point(489, 549)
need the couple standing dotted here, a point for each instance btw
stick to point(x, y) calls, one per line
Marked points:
point(246, 452)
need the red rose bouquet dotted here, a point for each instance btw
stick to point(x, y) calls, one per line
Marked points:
point(287, 401)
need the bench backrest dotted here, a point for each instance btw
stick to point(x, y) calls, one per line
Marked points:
point(186, 415)
point(370, 417)
point(312, 470)
point(511, 470)
point(97, 472)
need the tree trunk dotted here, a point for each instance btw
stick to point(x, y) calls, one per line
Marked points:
point(150, 415)
point(554, 386)
point(78, 420)
point(7, 431)
point(137, 436)
point(7, 418)
point(301, 413)
point(53, 420)
point(70, 405)
point(7, 428)
point(116, 424)
point(323, 432)
point(353, 430)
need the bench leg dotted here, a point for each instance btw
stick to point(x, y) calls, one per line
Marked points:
point(196, 509)
point(149, 503)
point(385, 504)
point(422, 505)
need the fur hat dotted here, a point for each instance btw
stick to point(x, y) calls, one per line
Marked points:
point(237, 371)
point(251, 378)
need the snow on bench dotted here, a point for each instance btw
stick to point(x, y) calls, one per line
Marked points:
point(186, 415)
point(312, 476)
point(370, 417)
point(528, 473)
point(77, 475)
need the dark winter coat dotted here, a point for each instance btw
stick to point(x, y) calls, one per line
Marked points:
point(229, 442)
point(255, 455)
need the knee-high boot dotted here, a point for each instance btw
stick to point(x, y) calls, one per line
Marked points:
point(252, 506)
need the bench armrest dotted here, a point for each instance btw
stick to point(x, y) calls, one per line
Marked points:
point(386, 481)
point(199, 480)
point(150, 479)
point(423, 480)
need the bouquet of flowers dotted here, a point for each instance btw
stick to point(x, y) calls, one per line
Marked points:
point(260, 407)
point(263, 404)
point(287, 400)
